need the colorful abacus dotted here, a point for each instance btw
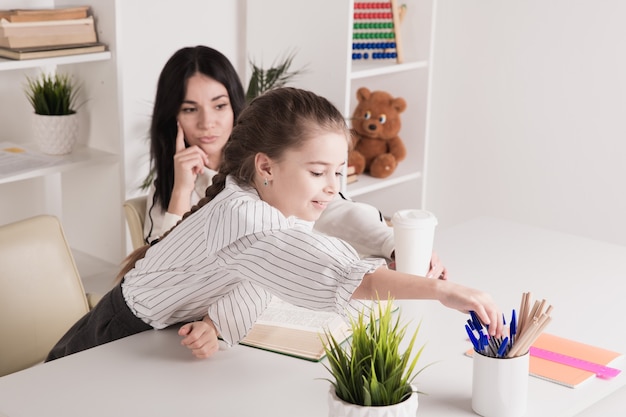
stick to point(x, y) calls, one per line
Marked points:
point(376, 31)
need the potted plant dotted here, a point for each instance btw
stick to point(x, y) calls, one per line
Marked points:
point(371, 375)
point(55, 123)
point(278, 75)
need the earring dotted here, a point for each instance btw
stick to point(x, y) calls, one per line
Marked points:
point(265, 182)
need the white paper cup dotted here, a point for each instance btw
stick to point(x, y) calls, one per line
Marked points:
point(500, 386)
point(414, 234)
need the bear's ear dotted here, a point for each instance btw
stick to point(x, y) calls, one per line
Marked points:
point(363, 94)
point(399, 104)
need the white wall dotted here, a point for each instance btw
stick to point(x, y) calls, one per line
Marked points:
point(148, 33)
point(528, 111)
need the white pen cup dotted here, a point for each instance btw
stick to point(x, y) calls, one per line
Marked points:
point(500, 385)
point(414, 235)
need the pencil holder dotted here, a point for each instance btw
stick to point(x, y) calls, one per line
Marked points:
point(500, 385)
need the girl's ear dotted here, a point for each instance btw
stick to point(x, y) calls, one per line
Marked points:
point(263, 165)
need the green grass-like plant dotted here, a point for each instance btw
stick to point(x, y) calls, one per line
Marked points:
point(52, 95)
point(370, 370)
point(278, 75)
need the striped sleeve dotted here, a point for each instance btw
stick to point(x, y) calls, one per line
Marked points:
point(283, 257)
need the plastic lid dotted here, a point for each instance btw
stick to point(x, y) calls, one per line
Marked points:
point(414, 218)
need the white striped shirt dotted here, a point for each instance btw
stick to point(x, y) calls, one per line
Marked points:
point(228, 259)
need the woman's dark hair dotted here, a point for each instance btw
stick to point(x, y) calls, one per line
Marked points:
point(171, 89)
point(274, 122)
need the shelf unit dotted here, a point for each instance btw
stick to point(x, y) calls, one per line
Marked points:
point(320, 35)
point(8, 64)
point(84, 188)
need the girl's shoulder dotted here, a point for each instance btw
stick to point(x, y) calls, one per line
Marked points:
point(243, 206)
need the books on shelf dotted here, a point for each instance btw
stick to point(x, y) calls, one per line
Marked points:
point(49, 52)
point(352, 176)
point(47, 33)
point(38, 15)
point(46, 29)
point(296, 331)
point(567, 360)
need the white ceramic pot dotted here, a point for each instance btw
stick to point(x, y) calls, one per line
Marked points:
point(340, 408)
point(55, 135)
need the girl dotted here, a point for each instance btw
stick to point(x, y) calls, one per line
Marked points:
point(251, 237)
point(199, 97)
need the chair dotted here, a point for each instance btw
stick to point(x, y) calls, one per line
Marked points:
point(135, 211)
point(41, 293)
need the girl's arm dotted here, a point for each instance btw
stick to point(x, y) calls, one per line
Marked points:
point(400, 285)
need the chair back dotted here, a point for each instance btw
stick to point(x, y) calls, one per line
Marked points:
point(41, 293)
point(135, 212)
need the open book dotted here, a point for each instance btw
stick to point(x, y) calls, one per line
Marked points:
point(296, 331)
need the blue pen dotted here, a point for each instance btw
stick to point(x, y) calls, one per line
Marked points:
point(471, 324)
point(513, 327)
point(503, 347)
point(470, 333)
point(484, 341)
point(477, 324)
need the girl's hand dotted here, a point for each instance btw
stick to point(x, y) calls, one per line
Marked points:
point(467, 299)
point(437, 270)
point(200, 337)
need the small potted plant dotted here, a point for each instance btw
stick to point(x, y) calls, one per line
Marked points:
point(55, 123)
point(278, 75)
point(371, 375)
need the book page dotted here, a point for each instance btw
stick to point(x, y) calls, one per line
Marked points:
point(281, 313)
point(295, 331)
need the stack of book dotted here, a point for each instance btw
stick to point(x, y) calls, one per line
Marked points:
point(42, 33)
point(352, 175)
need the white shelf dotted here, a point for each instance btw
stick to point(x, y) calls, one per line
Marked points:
point(372, 69)
point(332, 73)
point(80, 157)
point(9, 64)
point(367, 184)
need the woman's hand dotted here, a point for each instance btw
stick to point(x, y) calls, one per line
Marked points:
point(200, 337)
point(188, 163)
point(437, 270)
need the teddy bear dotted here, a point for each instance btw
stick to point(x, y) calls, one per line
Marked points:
point(377, 148)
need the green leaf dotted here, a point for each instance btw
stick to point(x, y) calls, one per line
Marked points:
point(371, 370)
point(278, 75)
point(52, 95)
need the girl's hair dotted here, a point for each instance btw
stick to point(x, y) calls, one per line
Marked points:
point(171, 89)
point(276, 121)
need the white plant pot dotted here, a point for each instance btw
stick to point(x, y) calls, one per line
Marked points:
point(340, 408)
point(55, 135)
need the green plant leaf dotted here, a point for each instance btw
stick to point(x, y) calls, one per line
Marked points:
point(371, 370)
point(52, 95)
point(278, 75)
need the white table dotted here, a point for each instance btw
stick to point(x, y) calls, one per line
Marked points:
point(150, 374)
